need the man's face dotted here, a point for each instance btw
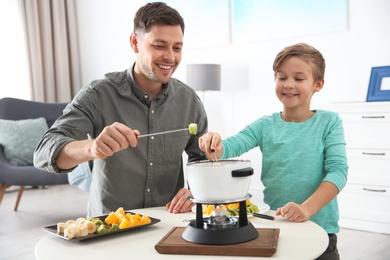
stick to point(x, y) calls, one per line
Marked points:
point(158, 52)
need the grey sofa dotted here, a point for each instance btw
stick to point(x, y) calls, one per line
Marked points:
point(18, 109)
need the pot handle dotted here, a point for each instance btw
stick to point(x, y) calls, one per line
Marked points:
point(244, 172)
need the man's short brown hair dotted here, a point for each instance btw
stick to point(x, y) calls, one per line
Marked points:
point(156, 13)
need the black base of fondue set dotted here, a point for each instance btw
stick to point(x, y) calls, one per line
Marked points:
point(219, 229)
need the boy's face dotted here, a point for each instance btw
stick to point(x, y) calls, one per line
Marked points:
point(295, 84)
point(158, 53)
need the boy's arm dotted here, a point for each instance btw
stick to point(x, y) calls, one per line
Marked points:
point(299, 213)
point(322, 196)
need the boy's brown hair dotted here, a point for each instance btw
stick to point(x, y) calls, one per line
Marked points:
point(306, 52)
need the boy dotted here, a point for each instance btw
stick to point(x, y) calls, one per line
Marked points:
point(304, 163)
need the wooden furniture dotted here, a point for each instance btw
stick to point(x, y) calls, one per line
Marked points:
point(18, 109)
point(304, 240)
point(365, 201)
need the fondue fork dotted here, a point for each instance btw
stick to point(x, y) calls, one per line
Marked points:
point(192, 129)
point(215, 156)
point(263, 216)
point(164, 132)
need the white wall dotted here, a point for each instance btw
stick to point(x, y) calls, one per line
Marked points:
point(246, 68)
point(247, 76)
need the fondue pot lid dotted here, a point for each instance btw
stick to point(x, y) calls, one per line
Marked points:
point(220, 163)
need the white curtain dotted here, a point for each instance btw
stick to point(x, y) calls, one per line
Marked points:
point(52, 47)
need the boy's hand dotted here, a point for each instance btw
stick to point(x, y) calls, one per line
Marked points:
point(210, 142)
point(293, 212)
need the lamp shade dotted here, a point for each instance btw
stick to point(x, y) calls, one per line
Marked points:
point(204, 76)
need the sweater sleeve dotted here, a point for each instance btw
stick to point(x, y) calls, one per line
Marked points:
point(335, 163)
point(242, 142)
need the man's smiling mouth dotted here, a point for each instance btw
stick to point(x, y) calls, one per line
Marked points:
point(165, 67)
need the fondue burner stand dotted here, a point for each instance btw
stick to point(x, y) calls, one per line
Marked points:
point(219, 229)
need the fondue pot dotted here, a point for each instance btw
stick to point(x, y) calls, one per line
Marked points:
point(219, 181)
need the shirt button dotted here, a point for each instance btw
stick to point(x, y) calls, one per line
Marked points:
point(148, 190)
point(152, 137)
point(151, 164)
point(152, 111)
point(146, 96)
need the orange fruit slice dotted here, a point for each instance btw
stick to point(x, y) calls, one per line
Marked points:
point(233, 206)
point(112, 218)
point(138, 216)
point(125, 223)
point(120, 216)
point(134, 220)
point(145, 220)
point(128, 215)
point(120, 211)
point(208, 210)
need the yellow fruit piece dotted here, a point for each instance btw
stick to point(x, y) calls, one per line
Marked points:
point(125, 223)
point(120, 210)
point(126, 220)
point(128, 215)
point(134, 220)
point(120, 216)
point(138, 216)
point(208, 210)
point(145, 220)
point(247, 202)
point(112, 218)
point(193, 128)
point(233, 206)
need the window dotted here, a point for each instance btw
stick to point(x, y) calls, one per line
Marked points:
point(13, 63)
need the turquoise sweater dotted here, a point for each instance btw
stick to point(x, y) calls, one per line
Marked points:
point(297, 157)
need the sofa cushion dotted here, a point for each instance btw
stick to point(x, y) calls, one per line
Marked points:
point(20, 137)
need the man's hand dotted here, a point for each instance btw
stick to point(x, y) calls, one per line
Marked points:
point(180, 203)
point(112, 139)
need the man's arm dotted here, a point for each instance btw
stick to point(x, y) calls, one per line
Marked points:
point(113, 138)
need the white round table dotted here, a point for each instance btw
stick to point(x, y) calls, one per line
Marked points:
point(300, 241)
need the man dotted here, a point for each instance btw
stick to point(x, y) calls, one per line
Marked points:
point(144, 97)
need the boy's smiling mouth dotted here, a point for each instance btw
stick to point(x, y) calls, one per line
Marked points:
point(290, 94)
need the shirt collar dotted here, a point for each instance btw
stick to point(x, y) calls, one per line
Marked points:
point(141, 95)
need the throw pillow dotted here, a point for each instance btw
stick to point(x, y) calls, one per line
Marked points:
point(20, 137)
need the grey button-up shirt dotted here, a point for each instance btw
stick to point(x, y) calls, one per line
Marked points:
point(147, 175)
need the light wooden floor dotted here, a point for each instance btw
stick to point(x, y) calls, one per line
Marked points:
point(21, 230)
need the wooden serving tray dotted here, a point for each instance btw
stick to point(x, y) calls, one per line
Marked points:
point(264, 245)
